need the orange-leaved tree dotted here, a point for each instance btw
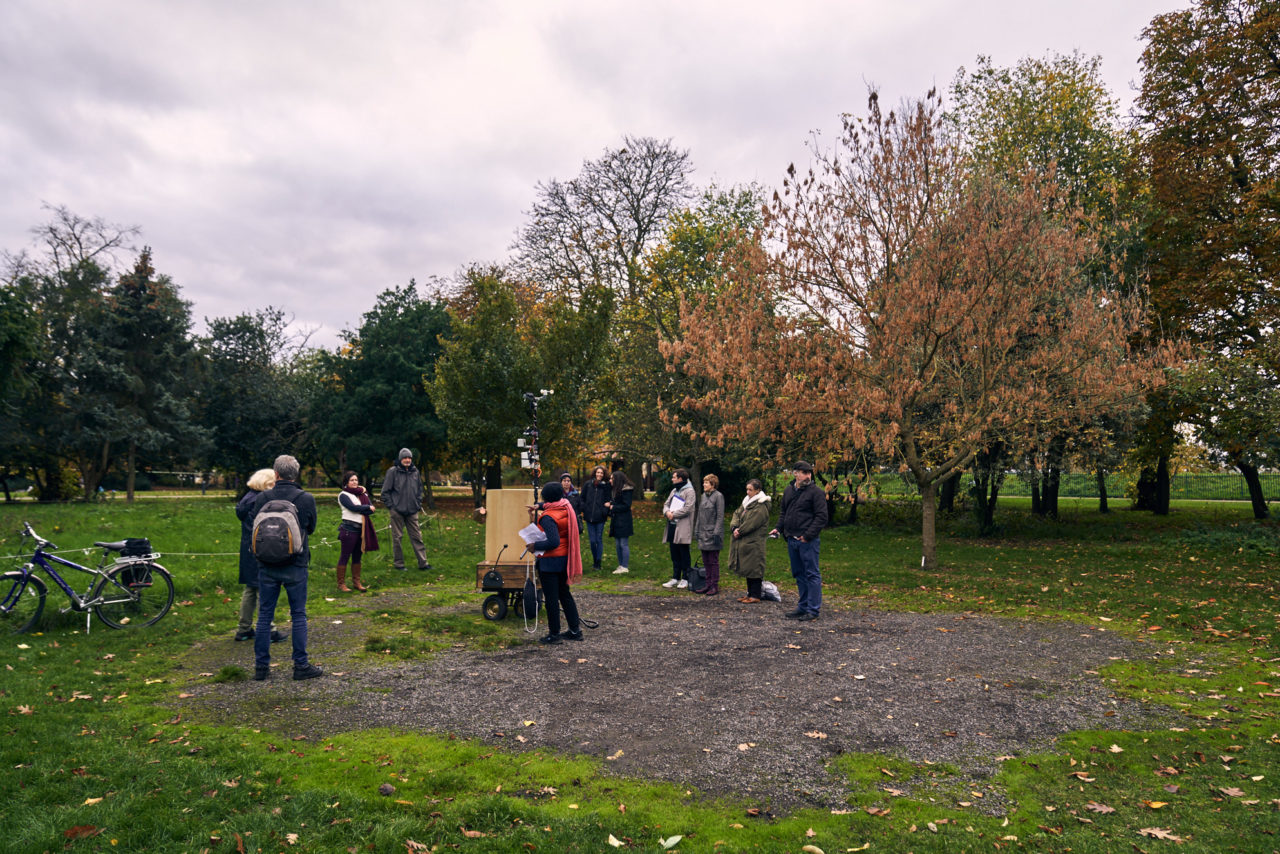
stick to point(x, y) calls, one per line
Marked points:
point(903, 301)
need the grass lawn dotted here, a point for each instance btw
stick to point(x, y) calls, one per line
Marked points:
point(96, 758)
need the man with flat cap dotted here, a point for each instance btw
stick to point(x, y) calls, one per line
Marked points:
point(800, 522)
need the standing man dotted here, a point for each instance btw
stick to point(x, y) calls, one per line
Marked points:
point(290, 574)
point(402, 496)
point(800, 522)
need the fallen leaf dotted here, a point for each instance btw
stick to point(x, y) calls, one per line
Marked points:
point(1155, 805)
point(816, 734)
point(1099, 808)
point(88, 802)
point(472, 834)
point(614, 841)
point(1160, 833)
point(82, 831)
point(1231, 792)
point(810, 833)
point(813, 849)
point(669, 843)
point(1115, 748)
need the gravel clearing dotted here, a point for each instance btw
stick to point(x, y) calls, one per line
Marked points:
point(727, 698)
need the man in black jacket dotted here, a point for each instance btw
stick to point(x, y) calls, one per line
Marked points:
point(800, 522)
point(291, 576)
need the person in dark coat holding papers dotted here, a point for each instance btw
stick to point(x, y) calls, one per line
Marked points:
point(559, 561)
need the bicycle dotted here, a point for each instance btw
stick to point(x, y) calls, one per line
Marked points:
point(130, 590)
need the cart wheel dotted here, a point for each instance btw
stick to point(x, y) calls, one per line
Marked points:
point(494, 607)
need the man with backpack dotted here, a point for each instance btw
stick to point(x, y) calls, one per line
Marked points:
point(402, 496)
point(283, 517)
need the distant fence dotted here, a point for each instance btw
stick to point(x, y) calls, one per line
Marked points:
point(1203, 486)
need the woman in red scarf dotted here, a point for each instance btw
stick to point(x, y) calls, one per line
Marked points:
point(355, 531)
point(559, 562)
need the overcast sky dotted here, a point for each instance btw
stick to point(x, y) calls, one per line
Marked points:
point(309, 154)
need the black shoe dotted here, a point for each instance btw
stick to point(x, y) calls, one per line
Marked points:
point(260, 673)
point(571, 635)
point(402, 569)
point(277, 636)
point(308, 672)
point(426, 567)
point(596, 567)
point(806, 617)
point(245, 635)
point(549, 639)
point(795, 615)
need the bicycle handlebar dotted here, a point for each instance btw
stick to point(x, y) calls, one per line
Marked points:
point(41, 542)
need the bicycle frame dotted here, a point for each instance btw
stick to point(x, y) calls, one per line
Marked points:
point(81, 602)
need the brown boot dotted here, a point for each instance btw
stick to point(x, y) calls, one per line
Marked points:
point(355, 578)
point(342, 580)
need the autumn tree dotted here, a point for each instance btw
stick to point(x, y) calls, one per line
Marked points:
point(642, 393)
point(482, 375)
point(1055, 117)
point(913, 305)
point(1210, 112)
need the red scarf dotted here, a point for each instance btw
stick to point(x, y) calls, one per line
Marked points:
point(575, 544)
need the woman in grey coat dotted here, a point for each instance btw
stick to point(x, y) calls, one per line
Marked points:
point(711, 532)
point(678, 534)
point(750, 530)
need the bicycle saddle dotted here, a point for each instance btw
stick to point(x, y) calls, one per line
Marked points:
point(115, 547)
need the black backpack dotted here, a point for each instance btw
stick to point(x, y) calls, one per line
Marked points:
point(277, 536)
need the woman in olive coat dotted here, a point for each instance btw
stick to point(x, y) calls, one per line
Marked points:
point(750, 531)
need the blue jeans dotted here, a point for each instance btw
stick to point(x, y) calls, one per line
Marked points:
point(624, 550)
point(294, 581)
point(804, 568)
point(595, 533)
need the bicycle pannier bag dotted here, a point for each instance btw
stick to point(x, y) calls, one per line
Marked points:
point(277, 536)
point(136, 547)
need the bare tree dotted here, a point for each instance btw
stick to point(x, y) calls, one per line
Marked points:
point(593, 229)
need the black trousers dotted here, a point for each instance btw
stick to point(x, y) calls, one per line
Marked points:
point(555, 590)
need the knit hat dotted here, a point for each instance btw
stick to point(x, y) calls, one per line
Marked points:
point(404, 452)
point(552, 492)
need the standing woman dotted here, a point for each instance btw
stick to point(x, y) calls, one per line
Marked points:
point(678, 510)
point(595, 498)
point(711, 532)
point(621, 525)
point(260, 481)
point(559, 562)
point(750, 529)
point(355, 531)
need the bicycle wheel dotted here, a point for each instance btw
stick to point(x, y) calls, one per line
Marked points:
point(21, 602)
point(136, 594)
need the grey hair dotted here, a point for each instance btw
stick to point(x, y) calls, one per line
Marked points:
point(287, 467)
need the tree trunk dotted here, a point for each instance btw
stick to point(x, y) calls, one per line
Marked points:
point(1037, 505)
point(4, 482)
point(1256, 497)
point(947, 498)
point(130, 471)
point(928, 525)
point(1162, 487)
point(1053, 474)
point(431, 496)
point(93, 474)
point(1102, 490)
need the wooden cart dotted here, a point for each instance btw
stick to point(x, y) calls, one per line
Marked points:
point(508, 595)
